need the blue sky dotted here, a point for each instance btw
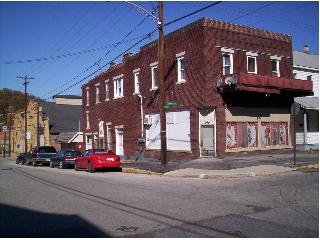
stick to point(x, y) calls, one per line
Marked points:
point(58, 43)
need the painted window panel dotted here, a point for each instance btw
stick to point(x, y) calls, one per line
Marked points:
point(252, 134)
point(242, 136)
point(231, 140)
point(274, 133)
point(265, 132)
point(283, 138)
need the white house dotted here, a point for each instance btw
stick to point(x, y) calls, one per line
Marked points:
point(306, 67)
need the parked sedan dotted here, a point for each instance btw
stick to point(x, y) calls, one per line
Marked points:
point(97, 159)
point(64, 158)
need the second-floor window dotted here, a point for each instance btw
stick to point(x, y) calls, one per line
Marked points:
point(227, 62)
point(136, 75)
point(252, 64)
point(107, 90)
point(154, 75)
point(181, 69)
point(97, 94)
point(275, 68)
point(87, 92)
point(88, 120)
point(118, 86)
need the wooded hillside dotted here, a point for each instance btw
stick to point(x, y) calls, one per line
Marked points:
point(10, 102)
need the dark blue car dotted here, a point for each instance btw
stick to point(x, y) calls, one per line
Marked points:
point(64, 158)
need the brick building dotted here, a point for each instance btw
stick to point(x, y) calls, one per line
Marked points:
point(229, 88)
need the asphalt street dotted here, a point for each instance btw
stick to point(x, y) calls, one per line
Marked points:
point(45, 202)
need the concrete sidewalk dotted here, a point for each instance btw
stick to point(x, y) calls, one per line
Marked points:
point(229, 167)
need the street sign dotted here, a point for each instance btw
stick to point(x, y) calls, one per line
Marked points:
point(170, 104)
point(5, 128)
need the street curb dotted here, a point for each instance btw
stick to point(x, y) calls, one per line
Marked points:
point(310, 166)
point(139, 171)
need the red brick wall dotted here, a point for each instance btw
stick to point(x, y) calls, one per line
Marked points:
point(199, 40)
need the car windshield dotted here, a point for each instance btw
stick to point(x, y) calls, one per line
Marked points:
point(73, 153)
point(47, 150)
point(102, 151)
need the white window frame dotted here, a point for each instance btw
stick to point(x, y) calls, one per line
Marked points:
point(97, 92)
point(277, 60)
point(136, 77)
point(118, 87)
point(87, 120)
point(253, 56)
point(229, 52)
point(154, 82)
point(224, 65)
point(88, 95)
point(107, 90)
point(180, 57)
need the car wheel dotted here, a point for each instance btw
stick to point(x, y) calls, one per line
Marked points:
point(51, 165)
point(60, 165)
point(34, 163)
point(76, 166)
point(90, 168)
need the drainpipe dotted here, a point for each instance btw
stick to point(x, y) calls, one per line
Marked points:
point(142, 115)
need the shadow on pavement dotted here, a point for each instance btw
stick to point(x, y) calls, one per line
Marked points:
point(18, 222)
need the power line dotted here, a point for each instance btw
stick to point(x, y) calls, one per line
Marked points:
point(91, 74)
point(255, 10)
point(98, 61)
point(88, 68)
point(192, 13)
point(66, 55)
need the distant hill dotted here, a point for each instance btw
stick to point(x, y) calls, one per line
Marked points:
point(11, 101)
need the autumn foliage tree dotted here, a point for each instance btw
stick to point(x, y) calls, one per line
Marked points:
point(11, 102)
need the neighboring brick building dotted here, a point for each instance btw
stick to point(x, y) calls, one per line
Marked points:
point(233, 87)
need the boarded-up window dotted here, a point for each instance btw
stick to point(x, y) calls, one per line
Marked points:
point(178, 131)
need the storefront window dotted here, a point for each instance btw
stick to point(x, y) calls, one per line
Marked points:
point(245, 134)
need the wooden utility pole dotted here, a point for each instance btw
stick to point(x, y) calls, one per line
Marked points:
point(161, 57)
point(25, 83)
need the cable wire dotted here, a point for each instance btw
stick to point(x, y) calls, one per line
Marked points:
point(148, 35)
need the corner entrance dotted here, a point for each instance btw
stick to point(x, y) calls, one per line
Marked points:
point(207, 140)
point(207, 132)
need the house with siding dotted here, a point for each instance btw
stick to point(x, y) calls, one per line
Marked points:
point(229, 89)
point(306, 67)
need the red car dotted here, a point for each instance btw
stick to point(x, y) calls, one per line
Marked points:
point(97, 159)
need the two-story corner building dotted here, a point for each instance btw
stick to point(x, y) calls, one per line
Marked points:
point(229, 88)
point(306, 67)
